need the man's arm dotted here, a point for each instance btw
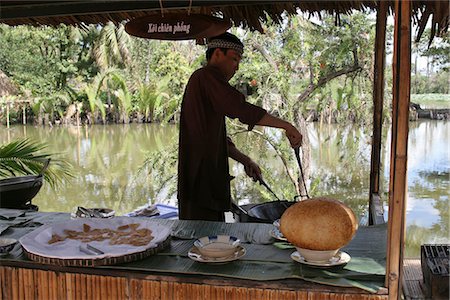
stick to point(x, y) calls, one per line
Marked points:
point(294, 136)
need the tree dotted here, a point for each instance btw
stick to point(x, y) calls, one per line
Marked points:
point(300, 65)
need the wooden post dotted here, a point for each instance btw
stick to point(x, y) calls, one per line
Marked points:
point(378, 98)
point(399, 146)
point(77, 115)
point(24, 114)
point(7, 114)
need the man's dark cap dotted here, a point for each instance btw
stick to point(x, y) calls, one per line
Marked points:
point(228, 41)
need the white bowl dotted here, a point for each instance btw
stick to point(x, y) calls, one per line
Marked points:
point(217, 245)
point(6, 245)
point(317, 256)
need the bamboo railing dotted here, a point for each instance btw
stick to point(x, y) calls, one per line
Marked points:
point(23, 284)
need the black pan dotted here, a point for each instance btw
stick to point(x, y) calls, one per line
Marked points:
point(264, 212)
point(17, 192)
point(268, 212)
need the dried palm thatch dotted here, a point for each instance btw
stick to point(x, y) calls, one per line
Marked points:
point(249, 13)
point(6, 85)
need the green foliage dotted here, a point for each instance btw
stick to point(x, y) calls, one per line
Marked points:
point(39, 59)
point(299, 55)
point(112, 47)
point(27, 158)
point(161, 167)
point(298, 67)
point(436, 83)
point(437, 52)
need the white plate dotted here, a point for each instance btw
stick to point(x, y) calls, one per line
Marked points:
point(276, 233)
point(341, 258)
point(36, 242)
point(194, 254)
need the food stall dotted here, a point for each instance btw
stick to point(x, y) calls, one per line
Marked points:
point(265, 268)
point(265, 271)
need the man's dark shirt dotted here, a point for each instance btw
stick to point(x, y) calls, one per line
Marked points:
point(203, 172)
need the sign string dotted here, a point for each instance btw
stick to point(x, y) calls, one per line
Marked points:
point(162, 9)
point(190, 6)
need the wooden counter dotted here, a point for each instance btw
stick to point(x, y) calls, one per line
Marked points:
point(33, 281)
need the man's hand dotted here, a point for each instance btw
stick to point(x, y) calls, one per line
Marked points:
point(294, 136)
point(252, 170)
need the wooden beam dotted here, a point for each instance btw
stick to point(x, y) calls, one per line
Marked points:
point(378, 99)
point(399, 146)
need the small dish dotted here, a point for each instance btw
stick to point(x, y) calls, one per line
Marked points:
point(195, 254)
point(341, 258)
point(317, 256)
point(217, 246)
point(6, 245)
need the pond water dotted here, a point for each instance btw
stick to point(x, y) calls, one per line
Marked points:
point(108, 164)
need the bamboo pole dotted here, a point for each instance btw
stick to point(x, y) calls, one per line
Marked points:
point(52, 284)
point(70, 286)
point(378, 99)
point(24, 114)
point(398, 170)
point(7, 114)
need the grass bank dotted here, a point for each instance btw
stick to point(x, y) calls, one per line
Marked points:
point(431, 100)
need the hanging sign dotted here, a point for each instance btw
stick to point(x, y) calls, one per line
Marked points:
point(177, 26)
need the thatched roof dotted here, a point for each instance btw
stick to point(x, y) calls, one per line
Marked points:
point(6, 86)
point(247, 12)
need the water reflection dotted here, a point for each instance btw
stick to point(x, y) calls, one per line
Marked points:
point(106, 161)
point(427, 211)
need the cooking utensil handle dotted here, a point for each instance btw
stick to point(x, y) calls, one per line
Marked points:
point(262, 182)
point(238, 208)
point(44, 168)
point(297, 156)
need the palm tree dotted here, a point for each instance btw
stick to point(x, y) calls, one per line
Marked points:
point(112, 50)
point(25, 157)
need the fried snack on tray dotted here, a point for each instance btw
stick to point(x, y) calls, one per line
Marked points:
point(56, 238)
point(125, 234)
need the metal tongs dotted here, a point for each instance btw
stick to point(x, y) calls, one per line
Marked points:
point(262, 182)
point(92, 213)
point(297, 155)
point(90, 250)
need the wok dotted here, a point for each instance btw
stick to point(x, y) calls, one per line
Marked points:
point(17, 192)
point(268, 212)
